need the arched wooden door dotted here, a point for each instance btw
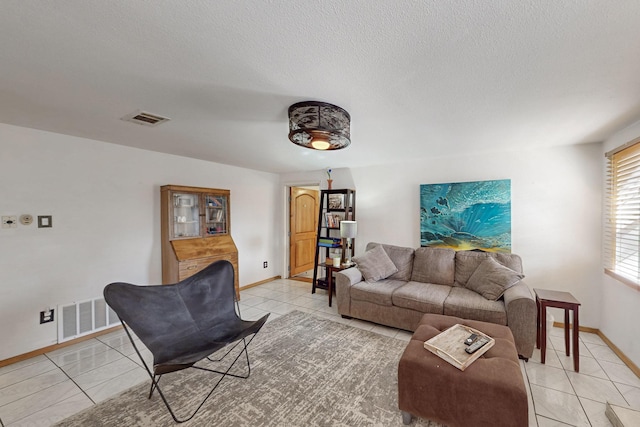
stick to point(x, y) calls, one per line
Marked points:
point(303, 223)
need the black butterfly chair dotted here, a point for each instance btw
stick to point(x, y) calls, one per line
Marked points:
point(184, 323)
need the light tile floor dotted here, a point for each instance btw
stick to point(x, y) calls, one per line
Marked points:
point(45, 389)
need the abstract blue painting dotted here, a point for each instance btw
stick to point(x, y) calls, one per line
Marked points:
point(466, 215)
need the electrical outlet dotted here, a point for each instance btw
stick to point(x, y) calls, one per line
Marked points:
point(10, 221)
point(265, 264)
point(46, 316)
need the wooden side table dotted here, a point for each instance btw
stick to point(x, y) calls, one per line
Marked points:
point(330, 270)
point(547, 298)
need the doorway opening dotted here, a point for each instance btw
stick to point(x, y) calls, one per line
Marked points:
point(303, 229)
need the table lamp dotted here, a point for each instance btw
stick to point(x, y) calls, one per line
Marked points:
point(348, 230)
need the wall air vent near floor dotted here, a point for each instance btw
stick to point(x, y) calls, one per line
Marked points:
point(83, 318)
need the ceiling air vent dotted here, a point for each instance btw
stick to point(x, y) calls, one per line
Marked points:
point(144, 118)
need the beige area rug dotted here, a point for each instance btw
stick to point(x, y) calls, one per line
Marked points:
point(305, 371)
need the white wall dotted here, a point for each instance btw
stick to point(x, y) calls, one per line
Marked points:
point(104, 199)
point(621, 304)
point(556, 210)
point(105, 202)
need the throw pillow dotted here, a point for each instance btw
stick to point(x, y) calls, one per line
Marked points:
point(375, 264)
point(491, 279)
point(402, 258)
point(434, 265)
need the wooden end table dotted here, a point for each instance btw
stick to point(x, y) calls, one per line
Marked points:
point(547, 298)
point(330, 270)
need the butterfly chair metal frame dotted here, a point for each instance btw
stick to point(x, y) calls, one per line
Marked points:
point(185, 323)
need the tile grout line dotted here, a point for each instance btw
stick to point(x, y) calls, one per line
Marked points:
point(573, 387)
point(575, 392)
point(55, 367)
point(533, 402)
point(127, 357)
point(65, 374)
point(606, 374)
point(72, 380)
point(614, 384)
point(558, 391)
point(587, 375)
point(580, 400)
point(26, 379)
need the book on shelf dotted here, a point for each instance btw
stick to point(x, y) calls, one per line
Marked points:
point(333, 220)
point(330, 242)
point(330, 239)
point(214, 202)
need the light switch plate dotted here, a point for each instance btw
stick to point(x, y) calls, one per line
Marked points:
point(45, 221)
point(9, 221)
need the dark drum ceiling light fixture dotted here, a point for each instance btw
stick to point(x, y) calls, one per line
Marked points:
point(319, 126)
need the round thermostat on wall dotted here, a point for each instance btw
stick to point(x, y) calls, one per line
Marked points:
point(26, 219)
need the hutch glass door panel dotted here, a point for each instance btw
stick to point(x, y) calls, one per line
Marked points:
point(215, 215)
point(186, 215)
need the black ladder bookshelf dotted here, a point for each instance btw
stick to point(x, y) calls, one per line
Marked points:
point(335, 206)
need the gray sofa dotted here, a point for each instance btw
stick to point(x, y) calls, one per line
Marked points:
point(395, 286)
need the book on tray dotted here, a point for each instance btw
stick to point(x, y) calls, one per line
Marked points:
point(451, 345)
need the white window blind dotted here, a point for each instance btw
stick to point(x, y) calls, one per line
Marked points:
point(622, 214)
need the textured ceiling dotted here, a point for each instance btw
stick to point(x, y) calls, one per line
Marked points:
point(419, 78)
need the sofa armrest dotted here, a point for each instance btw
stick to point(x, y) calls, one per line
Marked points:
point(520, 305)
point(344, 280)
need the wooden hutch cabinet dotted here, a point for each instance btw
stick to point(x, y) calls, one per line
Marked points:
point(196, 231)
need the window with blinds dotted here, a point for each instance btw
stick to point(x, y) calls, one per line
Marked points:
point(622, 214)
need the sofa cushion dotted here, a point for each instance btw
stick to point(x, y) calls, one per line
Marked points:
point(423, 297)
point(375, 264)
point(402, 258)
point(468, 261)
point(378, 293)
point(465, 303)
point(434, 265)
point(491, 279)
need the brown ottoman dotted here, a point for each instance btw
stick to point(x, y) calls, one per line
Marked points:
point(490, 392)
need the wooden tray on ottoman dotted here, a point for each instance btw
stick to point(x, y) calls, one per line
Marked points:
point(449, 345)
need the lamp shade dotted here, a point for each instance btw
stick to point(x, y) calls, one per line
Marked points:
point(348, 229)
point(319, 126)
